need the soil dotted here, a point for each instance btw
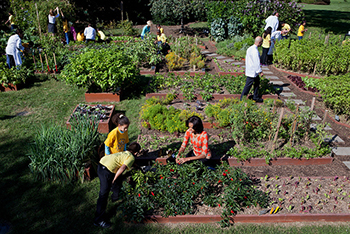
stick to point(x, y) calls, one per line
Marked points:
point(226, 67)
point(298, 195)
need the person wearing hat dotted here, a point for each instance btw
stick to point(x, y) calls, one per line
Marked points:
point(146, 29)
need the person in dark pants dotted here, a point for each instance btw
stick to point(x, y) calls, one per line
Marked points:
point(109, 171)
point(253, 70)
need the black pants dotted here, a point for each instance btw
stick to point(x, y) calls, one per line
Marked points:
point(250, 81)
point(106, 177)
point(263, 59)
point(12, 61)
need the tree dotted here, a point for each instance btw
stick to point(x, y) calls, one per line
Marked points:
point(172, 11)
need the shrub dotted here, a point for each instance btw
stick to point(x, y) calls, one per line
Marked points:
point(105, 68)
point(174, 61)
point(217, 29)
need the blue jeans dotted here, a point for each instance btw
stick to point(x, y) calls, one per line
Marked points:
point(142, 37)
point(249, 83)
point(67, 37)
point(300, 37)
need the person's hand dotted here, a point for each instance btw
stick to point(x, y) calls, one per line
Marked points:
point(182, 160)
point(261, 74)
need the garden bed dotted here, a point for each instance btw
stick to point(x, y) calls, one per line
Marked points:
point(10, 87)
point(226, 68)
point(103, 112)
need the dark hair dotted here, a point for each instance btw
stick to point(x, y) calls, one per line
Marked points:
point(134, 147)
point(197, 124)
point(158, 25)
point(267, 32)
point(11, 12)
point(120, 119)
point(19, 31)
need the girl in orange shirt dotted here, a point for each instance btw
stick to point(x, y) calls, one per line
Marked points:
point(199, 140)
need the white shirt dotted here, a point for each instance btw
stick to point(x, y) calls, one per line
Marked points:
point(14, 44)
point(252, 62)
point(52, 19)
point(273, 22)
point(275, 36)
point(90, 33)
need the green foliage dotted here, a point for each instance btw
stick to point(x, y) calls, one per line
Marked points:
point(174, 61)
point(187, 186)
point(217, 29)
point(234, 26)
point(313, 56)
point(172, 11)
point(126, 27)
point(59, 154)
point(106, 68)
point(163, 118)
point(15, 75)
point(236, 46)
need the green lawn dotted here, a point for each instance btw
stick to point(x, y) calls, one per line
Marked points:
point(328, 18)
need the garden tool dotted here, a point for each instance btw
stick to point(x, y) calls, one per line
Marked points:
point(33, 58)
point(41, 60)
point(54, 58)
point(47, 63)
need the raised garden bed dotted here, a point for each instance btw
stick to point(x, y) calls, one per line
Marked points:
point(225, 68)
point(214, 96)
point(103, 112)
point(102, 97)
point(9, 87)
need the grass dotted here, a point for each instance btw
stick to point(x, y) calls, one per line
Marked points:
point(328, 18)
point(34, 207)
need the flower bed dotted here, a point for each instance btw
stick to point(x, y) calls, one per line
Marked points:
point(102, 112)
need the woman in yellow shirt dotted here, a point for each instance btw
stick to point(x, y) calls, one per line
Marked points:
point(80, 36)
point(301, 30)
point(265, 45)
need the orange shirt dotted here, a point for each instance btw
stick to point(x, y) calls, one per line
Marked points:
point(199, 142)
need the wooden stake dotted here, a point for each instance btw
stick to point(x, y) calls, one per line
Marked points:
point(309, 120)
point(37, 16)
point(278, 126)
point(294, 125)
point(324, 117)
point(41, 60)
point(313, 103)
point(54, 58)
point(310, 35)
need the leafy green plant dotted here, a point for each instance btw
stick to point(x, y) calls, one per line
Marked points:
point(224, 187)
point(174, 61)
point(126, 27)
point(60, 155)
point(217, 29)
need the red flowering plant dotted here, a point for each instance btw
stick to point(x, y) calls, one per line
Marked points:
point(172, 190)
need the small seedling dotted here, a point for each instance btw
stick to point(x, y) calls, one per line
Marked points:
point(266, 177)
point(277, 177)
point(307, 197)
point(290, 208)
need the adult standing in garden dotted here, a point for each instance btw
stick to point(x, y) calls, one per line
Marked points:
point(265, 45)
point(253, 70)
point(199, 140)
point(11, 20)
point(109, 171)
point(90, 33)
point(275, 36)
point(146, 29)
point(13, 48)
point(301, 30)
point(273, 22)
point(52, 21)
point(65, 27)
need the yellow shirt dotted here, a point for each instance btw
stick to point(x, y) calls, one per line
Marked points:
point(114, 161)
point(266, 41)
point(116, 140)
point(80, 37)
point(162, 38)
point(12, 19)
point(65, 26)
point(102, 35)
point(300, 31)
point(161, 30)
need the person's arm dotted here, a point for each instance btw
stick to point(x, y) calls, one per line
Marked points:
point(19, 44)
point(107, 150)
point(119, 172)
point(256, 61)
point(183, 146)
point(203, 138)
point(61, 12)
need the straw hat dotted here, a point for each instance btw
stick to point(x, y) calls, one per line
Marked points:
point(149, 23)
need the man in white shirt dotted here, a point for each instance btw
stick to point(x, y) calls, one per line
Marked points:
point(14, 45)
point(253, 70)
point(90, 33)
point(273, 22)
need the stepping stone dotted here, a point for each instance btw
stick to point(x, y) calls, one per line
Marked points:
point(288, 95)
point(334, 139)
point(205, 52)
point(237, 63)
point(282, 88)
point(313, 127)
point(341, 151)
point(298, 101)
point(228, 60)
point(277, 82)
point(221, 57)
point(316, 117)
point(268, 72)
point(347, 163)
point(272, 77)
point(265, 68)
point(212, 54)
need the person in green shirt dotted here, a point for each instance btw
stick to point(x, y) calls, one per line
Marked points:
point(109, 171)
